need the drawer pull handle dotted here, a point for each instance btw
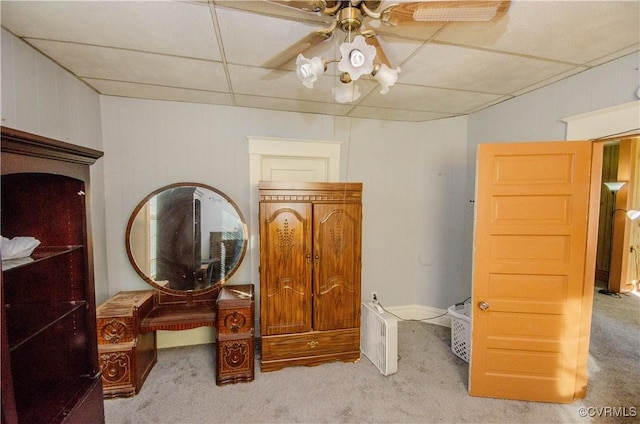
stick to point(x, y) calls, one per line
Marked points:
point(312, 344)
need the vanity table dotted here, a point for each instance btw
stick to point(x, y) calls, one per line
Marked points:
point(185, 240)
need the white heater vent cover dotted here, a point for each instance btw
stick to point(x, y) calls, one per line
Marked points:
point(379, 338)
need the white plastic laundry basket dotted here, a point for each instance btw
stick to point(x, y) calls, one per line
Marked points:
point(461, 330)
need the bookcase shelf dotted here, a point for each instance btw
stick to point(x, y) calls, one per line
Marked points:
point(50, 369)
point(40, 254)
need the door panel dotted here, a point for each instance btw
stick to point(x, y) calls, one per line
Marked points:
point(532, 268)
point(286, 285)
point(337, 266)
point(292, 168)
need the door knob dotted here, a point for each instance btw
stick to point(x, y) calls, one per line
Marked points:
point(483, 305)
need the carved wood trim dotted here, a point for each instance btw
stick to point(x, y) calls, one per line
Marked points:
point(278, 191)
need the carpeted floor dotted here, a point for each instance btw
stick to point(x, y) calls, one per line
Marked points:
point(430, 386)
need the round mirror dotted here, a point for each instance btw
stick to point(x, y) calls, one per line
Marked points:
point(186, 237)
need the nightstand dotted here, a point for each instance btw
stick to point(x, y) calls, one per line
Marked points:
point(126, 356)
point(235, 335)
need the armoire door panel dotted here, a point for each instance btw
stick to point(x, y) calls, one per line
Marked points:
point(286, 263)
point(337, 266)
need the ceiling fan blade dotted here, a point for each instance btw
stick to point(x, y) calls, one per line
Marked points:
point(382, 57)
point(307, 6)
point(290, 53)
point(445, 11)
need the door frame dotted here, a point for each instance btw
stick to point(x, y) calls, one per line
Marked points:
point(620, 122)
point(260, 147)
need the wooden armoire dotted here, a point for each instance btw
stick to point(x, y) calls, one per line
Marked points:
point(310, 262)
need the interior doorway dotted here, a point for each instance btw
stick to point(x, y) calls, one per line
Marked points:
point(285, 159)
point(609, 173)
point(617, 124)
point(618, 236)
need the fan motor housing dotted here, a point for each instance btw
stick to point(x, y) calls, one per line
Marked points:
point(349, 19)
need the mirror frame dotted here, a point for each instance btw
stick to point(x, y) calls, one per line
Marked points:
point(185, 293)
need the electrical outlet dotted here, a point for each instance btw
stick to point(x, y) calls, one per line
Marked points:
point(374, 297)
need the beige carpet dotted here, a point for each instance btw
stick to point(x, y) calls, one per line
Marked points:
point(430, 386)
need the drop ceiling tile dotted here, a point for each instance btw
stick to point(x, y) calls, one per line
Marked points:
point(130, 66)
point(292, 105)
point(274, 9)
point(156, 92)
point(427, 99)
point(570, 31)
point(176, 28)
point(439, 65)
point(398, 50)
point(253, 39)
point(395, 114)
point(555, 78)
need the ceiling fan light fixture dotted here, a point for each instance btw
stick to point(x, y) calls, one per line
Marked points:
point(309, 69)
point(385, 76)
point(345, 78)
point(357, 58)
point(346, 92)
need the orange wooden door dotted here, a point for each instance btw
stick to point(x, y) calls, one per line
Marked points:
point(285, 268)
point(534, 266)
point(337, 266)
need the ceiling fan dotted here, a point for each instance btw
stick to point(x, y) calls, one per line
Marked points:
point(348, 16)
point(359, 55)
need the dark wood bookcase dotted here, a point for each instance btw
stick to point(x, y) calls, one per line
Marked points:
point(50, 369)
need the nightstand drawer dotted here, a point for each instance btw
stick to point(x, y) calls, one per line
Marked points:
point(235, 309)
point(118, 319)
point(235, 320)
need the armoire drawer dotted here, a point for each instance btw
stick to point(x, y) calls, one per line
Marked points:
point(310, 344)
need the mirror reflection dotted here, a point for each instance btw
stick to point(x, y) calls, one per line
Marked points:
point(185, 237)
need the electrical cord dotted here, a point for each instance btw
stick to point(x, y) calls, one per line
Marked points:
point(377, 302)
point(423, 319)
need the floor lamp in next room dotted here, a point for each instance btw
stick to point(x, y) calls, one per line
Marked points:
point(614, 187)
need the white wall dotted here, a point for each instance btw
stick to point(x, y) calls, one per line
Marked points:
point(537, 116)
point(40, 97)
point(410, 174)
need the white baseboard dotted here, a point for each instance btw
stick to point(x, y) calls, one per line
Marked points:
point(419, 312)
point(203, 335)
